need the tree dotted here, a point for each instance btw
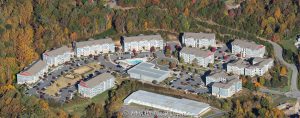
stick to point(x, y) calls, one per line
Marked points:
point(204, 3)
point(94, 110)
point(129, 26)
point(155, 2)
point(168, 52)
point(152, 49)
point(277, 13)
point(44, 105)
point(195, 62)
point(134, 52)
point(261, 80)
point(265, 102)
point(283, 71)
point(181, 59)
point(172, 65)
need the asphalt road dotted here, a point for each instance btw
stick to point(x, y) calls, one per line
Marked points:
point(294, 92)
point(278, 54)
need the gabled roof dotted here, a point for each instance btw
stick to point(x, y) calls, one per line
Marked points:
point(261, 62)
point(196, 51)
point(227, 84)
point(218, 75)
point(199, 35)
point(96, 80)
point(247, 44)
point(240, 63)
point(142, 38)
point(58, 51)
point(92, 42)
point(35, 68)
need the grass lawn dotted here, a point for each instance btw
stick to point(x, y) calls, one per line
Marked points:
point(78, 105)
point(288, 44)
point(288, 86)
point(279, 99)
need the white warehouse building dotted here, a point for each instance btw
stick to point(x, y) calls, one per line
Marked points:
point(203, 58)
point(146, 72)
point(247, 49)
point(58, 56)
point(199, 40)
point(141, 42)
point(94, 47)
point(96, 85)
point(31, 74)
point(167, 103)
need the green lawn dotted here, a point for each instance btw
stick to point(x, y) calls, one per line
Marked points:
point(289, 45)
point(279, 99)
point(78, 105)
point(288, 86)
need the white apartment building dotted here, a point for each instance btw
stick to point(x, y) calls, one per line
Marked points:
point(227, 88)
point(94, 47)
point(58, 56)
point(141, 42)
point(199, 40)
point(259, 67)
point(33, 73)
point(203, 58)
point(96, 85)
point(247, 49)
point(219, 77)
point(237, 67)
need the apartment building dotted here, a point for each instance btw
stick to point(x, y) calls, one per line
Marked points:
point(227, 87)
point(201, 57)
point(94, 47)
point(96, 85)
point(32, 73)
point(58, 56)
point(141, 42)
point(199, 40)
point(247, 49)
point(257, 66)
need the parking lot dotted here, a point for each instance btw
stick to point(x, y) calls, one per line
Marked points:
point(189, 82)
point(66, 93)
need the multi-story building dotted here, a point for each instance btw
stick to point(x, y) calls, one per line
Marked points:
point(94, 47)
point(219, 77)
point(96, 85)
point(199, 40)
point(58, 56)
point(226, 87)
point(32, 73)
point(195, 55)
point(141, 42)
point(258, 66)
point(247, 49)
point(237, 67)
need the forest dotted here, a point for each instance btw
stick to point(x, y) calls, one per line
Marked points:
point(29, 27)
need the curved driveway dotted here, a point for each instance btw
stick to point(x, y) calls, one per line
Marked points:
point(294, 92)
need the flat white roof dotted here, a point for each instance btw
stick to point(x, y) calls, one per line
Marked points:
point(180, 106)
point(147, 69)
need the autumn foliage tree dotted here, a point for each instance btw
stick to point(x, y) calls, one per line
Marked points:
point(283, 71)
